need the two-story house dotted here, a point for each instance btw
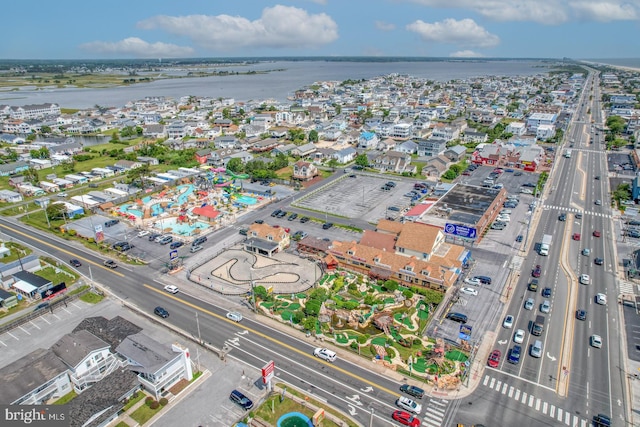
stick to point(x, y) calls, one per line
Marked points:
point(265, 239)
point(304, 171)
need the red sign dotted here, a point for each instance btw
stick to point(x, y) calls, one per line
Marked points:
point(267, 371)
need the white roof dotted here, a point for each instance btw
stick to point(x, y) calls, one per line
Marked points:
point(25, 287)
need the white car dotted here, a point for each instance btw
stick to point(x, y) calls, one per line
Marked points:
point(235, 316)
point(545, 307)
point(469, 291)
point(503, 218)
point(595, 341)
point(172, 289)
point(601, 299)
point(409, 405)
point(472, 281)
point(143, 233)
point(508, 322)
point(585, 279)
point(529, 303)
point(325, 354)
point(518, 337)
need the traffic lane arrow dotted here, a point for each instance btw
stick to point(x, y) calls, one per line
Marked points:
point(352, 410)
point(553, 359)
point(368, 389)
point(503, 342)
point(355, 399)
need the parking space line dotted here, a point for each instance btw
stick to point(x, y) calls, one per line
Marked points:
point(3, 343)
point(35, 325)
point(56, 316)
point(43, 318)
point(24, 330)
point(65, 309)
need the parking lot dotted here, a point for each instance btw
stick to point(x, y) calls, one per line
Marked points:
point(621, 163)
point(512, 181)
point(358, 196)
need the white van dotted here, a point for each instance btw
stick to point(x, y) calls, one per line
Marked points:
point(325, 354)
point(536, 349)
point(196, 248)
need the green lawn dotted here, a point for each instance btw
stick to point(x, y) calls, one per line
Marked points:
point(50, 273)
point(144, 413)
point(66, 398)
point(133, 401)
point(92, 298)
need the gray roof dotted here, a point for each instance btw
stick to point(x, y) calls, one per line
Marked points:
point(104, 398)
point(112, 331)
point(28, 373)
point(31, 278)
point(74, 347)
point(145, 354)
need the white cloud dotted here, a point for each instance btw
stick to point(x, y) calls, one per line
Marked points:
point(604, 11)
point(466, 54)
point(133, 46)
point(278, 27)
point(545, 11)
point(464, 33)
point(384, 26)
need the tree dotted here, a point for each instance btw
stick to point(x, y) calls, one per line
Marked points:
point(139, 173)
point(362, 160)
point(313, 136)
point(45, 129)
point(31, 175)
point(56, 211)
point(332, 163)
point(616, 124)
point(391, 285)
point(235, 165)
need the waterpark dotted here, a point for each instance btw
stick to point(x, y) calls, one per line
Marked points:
point(197, 205)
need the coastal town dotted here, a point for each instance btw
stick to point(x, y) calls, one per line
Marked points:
point(385, 203)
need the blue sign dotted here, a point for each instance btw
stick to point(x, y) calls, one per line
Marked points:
point(173, 255)
point(460, 230)
point(465, 332)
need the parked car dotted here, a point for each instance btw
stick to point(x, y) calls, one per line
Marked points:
point(473, 281)
point(405, 418)
point(494, 358)
point(111, 222)
point(485, 280)
point(304, 219)
point(601, 420)
point(292, 216)
point(159, 311)
point(176, 245)
point(327, 225)
point(241, 400)
point(469, 291)
point(143, 233)
point(259, 221)
point(74, 262)
point(519, 238)
point(154, 236)
point(276, 213)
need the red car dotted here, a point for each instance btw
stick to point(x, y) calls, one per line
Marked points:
point(537, 271)
point(406, 418)
point(576, 236)
point(494, 358)
point(596, 233)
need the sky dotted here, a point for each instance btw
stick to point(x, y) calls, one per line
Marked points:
point(142, 29)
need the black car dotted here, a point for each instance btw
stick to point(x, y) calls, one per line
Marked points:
point(304, 219)
point(327, 225)
point(276, 212)
point(74, 262)
point(241, 400)
point(562, 217)
point(41, 306)
point(153, 236)
point(282, 214)
point(519, 238)
point(292, 216)
point(598, 261)
point(601, 420)
point(485, 280)
point(412, 390)
point(159, 311)
point(259, 221)
point(176, 245)
point(581, 314)
point(546, 292)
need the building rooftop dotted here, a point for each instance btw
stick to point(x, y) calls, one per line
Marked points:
point(112, 331)
point(74, 347)
point(462, 204)
point(144, 353)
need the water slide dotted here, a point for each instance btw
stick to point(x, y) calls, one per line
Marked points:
point(238, 176)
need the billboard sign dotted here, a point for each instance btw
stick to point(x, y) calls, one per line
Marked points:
point(173, 255)
point(465, 332)
point(268, 371)
point(98, 233)
point(460, 230)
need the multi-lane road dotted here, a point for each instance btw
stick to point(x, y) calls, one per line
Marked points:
point(566, 386)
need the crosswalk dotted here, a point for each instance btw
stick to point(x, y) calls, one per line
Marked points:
point(627, 287)
point(574, 210)
point(560, 415)
point(435, 409)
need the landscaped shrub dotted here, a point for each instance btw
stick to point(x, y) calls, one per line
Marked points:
point(163, 401)
point(135, 394)
point(154, 405)
point(148, 400)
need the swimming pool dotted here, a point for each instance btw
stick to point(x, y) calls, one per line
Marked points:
point(246, 200)
point(181, 228)
point(130, 210)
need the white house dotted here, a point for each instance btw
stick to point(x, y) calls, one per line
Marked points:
point(516, 128)
point(545, 132)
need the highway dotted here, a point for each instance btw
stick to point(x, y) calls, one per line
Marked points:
point(572, 381)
